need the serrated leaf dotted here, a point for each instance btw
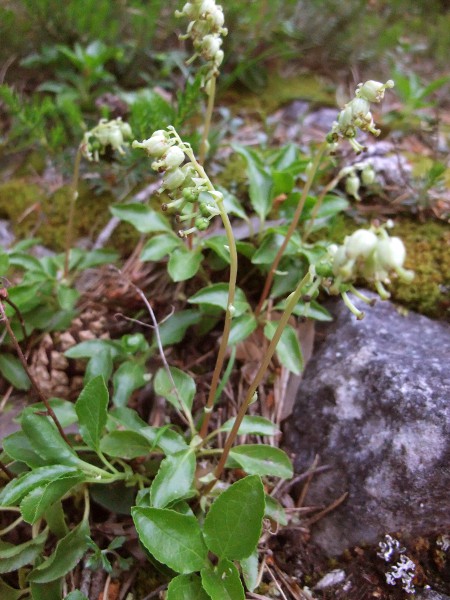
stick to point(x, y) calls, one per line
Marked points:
point(166, 439)
point(34, 505)
point(12, 370)
point(217, 295)
point(260, 182)
point(173, 330)
point(173, 539)
point(233, 524)
point(101, 364)
point(91, 408)
point(261, 459)
point(128, 378)
point(174, 478)
point(250, 570)
point(143, 218)
point(18, 447)
point(288, 349)
point(46, 440)
point(184, 384)
point(252, 425)
point(186, 587)
point(219, 244)
point(18, 488)
point(159, 246)
point(241, 328)
point(68, 553)
point(275, 511)
point(46, 591)
point(15, 556)
point(63, 409)
point(90, 348)
point(223, 582)
point(183, 264)
point(125, 444)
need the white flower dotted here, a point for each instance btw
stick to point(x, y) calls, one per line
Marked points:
point(373, 91)
point(361, 243)
point(391, 253)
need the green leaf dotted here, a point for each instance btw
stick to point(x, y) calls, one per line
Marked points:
point(310, 310)
point(186, 587)
point(143, 218)
point(125, 418)
point(233, 524)
point(4, 262)
point(184, 264)
point(100, 364)
point(252, 425)
point(232, 204)
point(270, 245)
point(185, 386)
point(288, 350)
point(125, 444)
point(283, 182)
point(173, 539)
point(68, 553)
point(174, 478)
point(250, 570)
point(9, 593)
point(261, 459)
point(46, 440)
point(75, 595)
point(129, 377)
point(158, 246)
point(219, 244)
point(18, 488)
point(223, 582)
point(260, 182)
point(46, 591)
point(174, 329)
point(67, 297)
point(275, 511)
point(241, 328)
point(15, 556)
point(164, 438)
point(18, 447)
point(12, 370)
point(63, 409)
point(217, 295)
point(34, 505)
point(91, 348)
point(92, 258)
point(91, 408)
point(115, 497)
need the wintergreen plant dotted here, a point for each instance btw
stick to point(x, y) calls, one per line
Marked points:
point(169, 478)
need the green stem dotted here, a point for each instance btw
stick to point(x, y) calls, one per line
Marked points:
point(207, 122)
point(291, 304)
point(73, 198)
point(231, 285)
point(292, 226)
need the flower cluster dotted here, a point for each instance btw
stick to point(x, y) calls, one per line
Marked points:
point(186, 184)
point(107, 133)
point(357, 174)
point(205, 30)
point(403, 570)
point(370, 254)
point(356, 115)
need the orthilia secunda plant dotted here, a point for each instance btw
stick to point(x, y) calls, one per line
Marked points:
point(355, 115)
point(112, 133)
point(205, 30)
point(194, 198)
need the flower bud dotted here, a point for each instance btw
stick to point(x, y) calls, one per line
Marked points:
point(368, 174)
point(391, 253)
point(201, 223)
point(174, 157)
point(352, 184)
point(373, 91)
point(361, 243)
point(155, 146)
point(210, 46)
point(173, 179)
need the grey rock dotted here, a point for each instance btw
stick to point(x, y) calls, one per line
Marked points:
point(374, 405)
point(6, 234)
point(430, 595)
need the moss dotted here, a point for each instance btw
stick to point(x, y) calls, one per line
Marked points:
point(34, 213)
point(282, 89)
point(427, 250)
